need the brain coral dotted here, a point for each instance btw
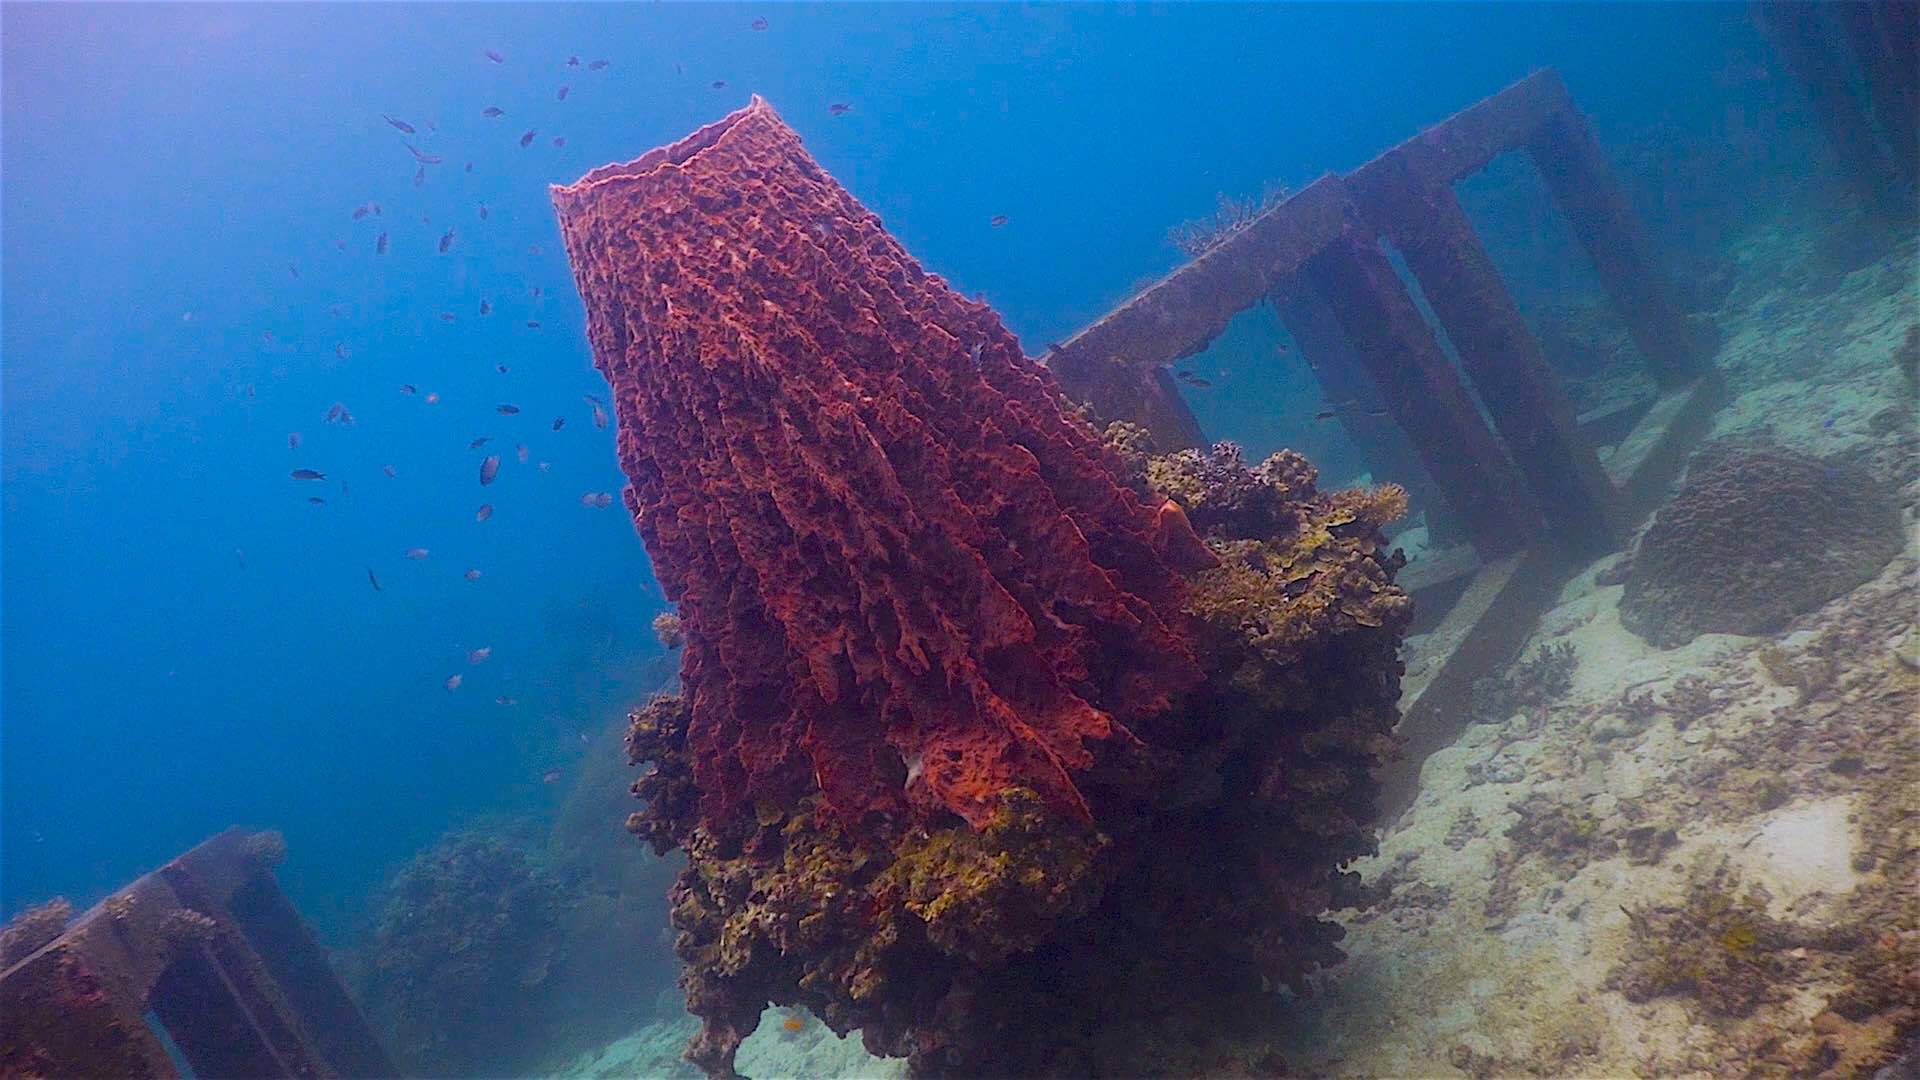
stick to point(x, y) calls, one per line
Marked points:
point(1755, 536)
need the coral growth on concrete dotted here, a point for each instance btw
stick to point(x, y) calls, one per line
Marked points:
point(983, 751)
point(32, 928)
point(1756, 536)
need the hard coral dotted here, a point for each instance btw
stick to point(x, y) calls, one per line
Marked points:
point(1756, 536)
point(888, 538)
point(983, 751)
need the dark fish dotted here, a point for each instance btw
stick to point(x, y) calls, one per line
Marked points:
point(485, 308)
point(409, 388)
point(598, 64)
point(420, 176)
point(446, 241)
point(1325, 414)
point(489, 469)
point(446, 316)
point(380, 244)
point(361, 211)
point(316, 500)
point(593, 399)
point(485, 512)
point(373, 581)
point(472, 574)
point(402, 125)
point(492, 111)
point(479, 442)
point(719, 84)
point(997, 220)
point(839, 108)
point(573, 61)
point(376, 209)
point(506, 410)
point(1191, 379)
point(1283, 348)
point(469, 166)
point(527, 139)
point(1377, 412)
point(388, 469)
point(337, 414)
point(309, 474)
point(533, 324)
point(340, 245)
point(535, 290)
point(294, 269)
point(340, 350)
point(336, 311)
point(561, 94)
point(599, 418)
point(501, 368)
point(559, 422)
point(759, 24)
point(416, 554)
point(293, 440)
point(495, 56)
point(560, 140)
point(267, 337)
point(452, 683)
point(483, 211)
point(521, 452)
point(424, 159)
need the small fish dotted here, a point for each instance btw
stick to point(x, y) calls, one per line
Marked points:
point(573, 61)
point(340, 245)
point(308, 474)
point(600, 418)
point(453, 683)
point(505, 700)
point(535, 290)
point(316, 500)
point(592, 399)
point(416, 554)
point(420, 176)
point(337, 414)
point(997, 220)
point(521, 452)
point(480, 654)
point(533, 324)
point(561, 94)
point(447, 316)
point(527, 139)
point(388, 469)
point(409, 388)
point(719, 84)
point(1828, 424)
point(240, 557)
point(293, 440)
point(550, 776)
point(336, 310)
point(495, 56)
point(433, 398)
point(603, 499)
point(404, 127)
point(489, 469)
point(544, 466)
point(598, 64)
point(1283, 348)
point(446, 241)
point(485, 512)
point(486, 308)
point(839, 108)
point(534, 249)
point(590, 498)
point(559, 422)
point(501, 368)
point(422, 158)
point(479, 442)
point(469, 166)
point(483, 211)
point(340, 350)
point(1325, 414)
point(493, 112)
point(1376, 412)
point(294, 269)
point(759, 24)
point(380, 244)
point(361, 211)
point(373, 581)
point(472, 574)
point(507, 410)
point(267, 337)
point(560, 140)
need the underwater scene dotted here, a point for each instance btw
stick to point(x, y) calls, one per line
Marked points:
point(959, 540)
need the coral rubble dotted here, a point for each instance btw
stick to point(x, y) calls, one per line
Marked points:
point(1756, 536)
point(1019, 752)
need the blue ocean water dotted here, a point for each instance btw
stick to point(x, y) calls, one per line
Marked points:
point(189, 642)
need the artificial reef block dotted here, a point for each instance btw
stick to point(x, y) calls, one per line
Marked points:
point(909, 577)
point(1756, 536)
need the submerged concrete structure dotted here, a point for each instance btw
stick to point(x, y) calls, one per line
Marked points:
point(203, 958)
point(1500, 445)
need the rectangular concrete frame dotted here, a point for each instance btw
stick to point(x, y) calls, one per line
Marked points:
point(1527, 537)
point(213, 949)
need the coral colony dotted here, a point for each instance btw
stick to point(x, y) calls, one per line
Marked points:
point(1015, 752)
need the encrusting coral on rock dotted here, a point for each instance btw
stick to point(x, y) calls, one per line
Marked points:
point(1756, 536)
point(1021, 752)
